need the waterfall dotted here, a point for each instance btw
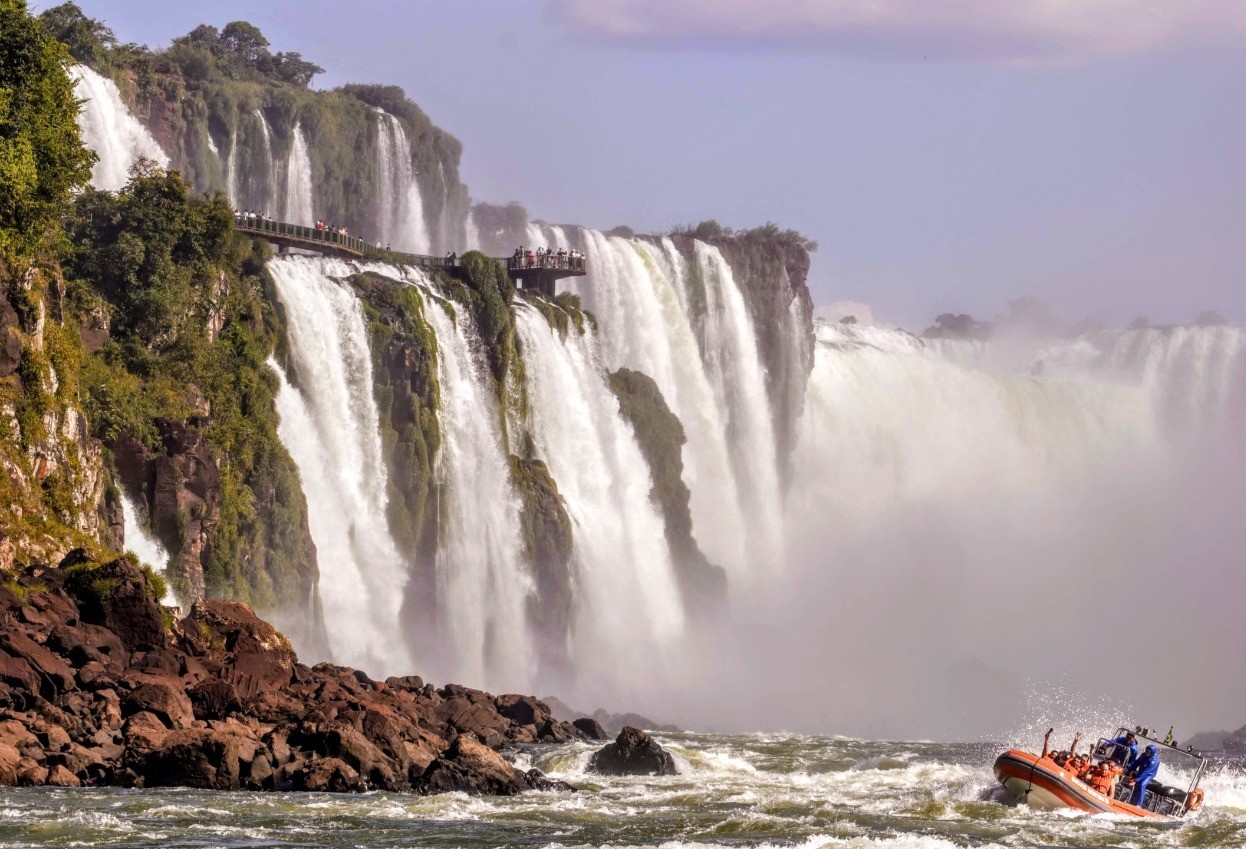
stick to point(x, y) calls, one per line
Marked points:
point(471, 233)
point(231, 170)
point(400, 207)
point(299, 206)
point(628, 614)
point(483, 583)
point(1191, 375)
point(707, 364)
point(108, 128)
point(267, 190)
point(330, 425)
point(144, 546)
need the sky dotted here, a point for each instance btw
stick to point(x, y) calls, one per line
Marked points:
point(946, 157)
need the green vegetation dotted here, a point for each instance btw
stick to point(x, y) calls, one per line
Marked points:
point(711, 231)
point(189, 334)
point(42, 159)
point(203, 96)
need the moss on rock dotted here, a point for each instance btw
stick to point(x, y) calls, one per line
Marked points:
point(661, 438)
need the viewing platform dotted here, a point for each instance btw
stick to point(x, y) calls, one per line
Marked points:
point(539, 273)
point(543, 272)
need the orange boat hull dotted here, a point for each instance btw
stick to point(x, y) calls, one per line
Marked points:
point(1040, 783)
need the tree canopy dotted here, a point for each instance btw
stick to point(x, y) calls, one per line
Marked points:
point(238, 51)
point(42, 157)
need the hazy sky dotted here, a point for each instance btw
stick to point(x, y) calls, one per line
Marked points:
point(946, 156)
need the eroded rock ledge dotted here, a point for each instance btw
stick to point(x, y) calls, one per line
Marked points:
point(100, 685)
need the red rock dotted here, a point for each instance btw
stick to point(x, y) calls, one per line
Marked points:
point(165, 699)
point(59, 776)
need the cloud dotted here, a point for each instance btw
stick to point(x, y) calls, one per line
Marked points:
point(984, 30)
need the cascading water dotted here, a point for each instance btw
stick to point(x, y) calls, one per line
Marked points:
point(298, 202)
point(400, 207)
point(108, 128)
point(936, 504)
point(709, 370)
point(483, 583)
point(330, 425)
point(266, 192)
point(1191, 375)
point(140, 543)
point(628, 612)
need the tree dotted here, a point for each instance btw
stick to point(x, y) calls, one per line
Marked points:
point(88, 40)
point(42, 158)
point(244, 42)
point(205, 36)
point(293, 68)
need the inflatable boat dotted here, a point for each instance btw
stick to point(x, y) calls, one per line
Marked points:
point(1099, 782)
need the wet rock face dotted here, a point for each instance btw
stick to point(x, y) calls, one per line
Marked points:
point(99, 685)
point(633, 752)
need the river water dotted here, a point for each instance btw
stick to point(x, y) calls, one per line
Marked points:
point(740, 790)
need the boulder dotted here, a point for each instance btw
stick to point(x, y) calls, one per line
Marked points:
point(59, 776)
point(165, 699)
point(633, 752)
point(590, 728)
point(116, 596)
point(10, 765)
point(472, 767)
point(522, 710)
point(214, 699)
point(329, 775)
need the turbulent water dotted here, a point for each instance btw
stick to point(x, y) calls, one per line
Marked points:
point(140, 543)
point(109, 129)
point(745, 790)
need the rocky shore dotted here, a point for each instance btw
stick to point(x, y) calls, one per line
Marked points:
point(100, 685)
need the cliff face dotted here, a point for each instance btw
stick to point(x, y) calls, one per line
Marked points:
point(175, 331)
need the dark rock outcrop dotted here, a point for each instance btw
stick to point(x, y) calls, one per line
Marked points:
point(633, 753)
point(99, 685)
point(661, 438)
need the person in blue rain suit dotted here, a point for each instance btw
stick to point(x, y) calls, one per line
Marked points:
point(1129, 742)
point(1144, 770)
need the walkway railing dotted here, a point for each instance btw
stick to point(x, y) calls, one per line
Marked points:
point(555, 261)
point(331, 241)
point(313, 238)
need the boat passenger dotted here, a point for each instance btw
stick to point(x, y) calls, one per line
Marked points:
point(1144, 770)
point(1129, 755)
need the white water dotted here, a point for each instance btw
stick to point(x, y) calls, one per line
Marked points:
point(108, 128)
point(299, 207)
point(269, 190)
point(400, 205)
point(483, 582)
point(144, 546)
point(231, 170)
point(709, 370)
point(330, 426)
point(628, 614)
point(934, 501)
